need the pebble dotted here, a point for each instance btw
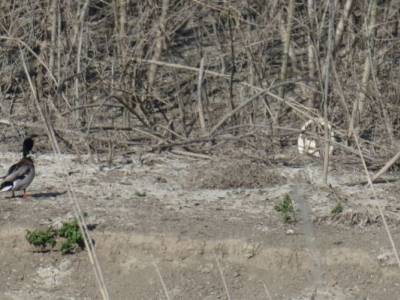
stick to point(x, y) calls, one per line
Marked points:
point(290, 232)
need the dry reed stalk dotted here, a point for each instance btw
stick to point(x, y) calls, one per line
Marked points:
point(286, 36)
point(326, 88)
point(75, 204)
point(311, 50)
point(233, 60)
point(359, 104)
point(340, 91)
point(123, 39)
point(79, 29)
point(371, 185)
point(159, 44)
point(58, 73)
point(386, 119)
point(81, 13)
point(182, 115)
point(123, 46)
point(53, 35)
point(78, 71)
point(199, 98)
point(343, 19)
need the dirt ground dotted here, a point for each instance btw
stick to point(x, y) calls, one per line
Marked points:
point(185, 217)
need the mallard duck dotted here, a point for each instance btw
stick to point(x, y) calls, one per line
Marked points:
point(21, 174)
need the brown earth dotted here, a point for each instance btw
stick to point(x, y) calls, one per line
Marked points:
point(185, 216)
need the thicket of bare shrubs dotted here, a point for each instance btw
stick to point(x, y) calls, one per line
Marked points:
point(199, 73)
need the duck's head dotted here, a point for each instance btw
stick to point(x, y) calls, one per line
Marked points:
point(28, 145)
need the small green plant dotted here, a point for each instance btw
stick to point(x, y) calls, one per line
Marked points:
point(73, 237)
point(140, 194)
point(337, 209)
point(286, 209)
point(42, 238)
point(69, 234)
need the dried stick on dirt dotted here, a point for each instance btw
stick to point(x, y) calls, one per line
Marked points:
point(191, 154)
point(164, 286)
point(267, 293)
point(386, 167)
point(326, 88)
point(223, 279)
point(75, 204)
point(371, 185)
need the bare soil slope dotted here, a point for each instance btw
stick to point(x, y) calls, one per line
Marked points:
point(184, 217)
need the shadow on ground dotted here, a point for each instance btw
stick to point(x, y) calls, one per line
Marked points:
point(47, 195)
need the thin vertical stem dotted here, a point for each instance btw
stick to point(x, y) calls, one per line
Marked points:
point(311, 51)
point(233, 62)
point(54, 22)
point(326, 89)
point(79, 34)
point(159, 44)
point(199, 95)
point(286, 45)
point(359, 104)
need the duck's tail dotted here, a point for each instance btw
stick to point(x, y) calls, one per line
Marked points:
point(6, 186)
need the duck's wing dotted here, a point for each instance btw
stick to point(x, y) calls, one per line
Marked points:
point(21, 175)
point(10, 170)
point(18, 170)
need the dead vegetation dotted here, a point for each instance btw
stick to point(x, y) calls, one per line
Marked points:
point(173, 74)
point(245, 174)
